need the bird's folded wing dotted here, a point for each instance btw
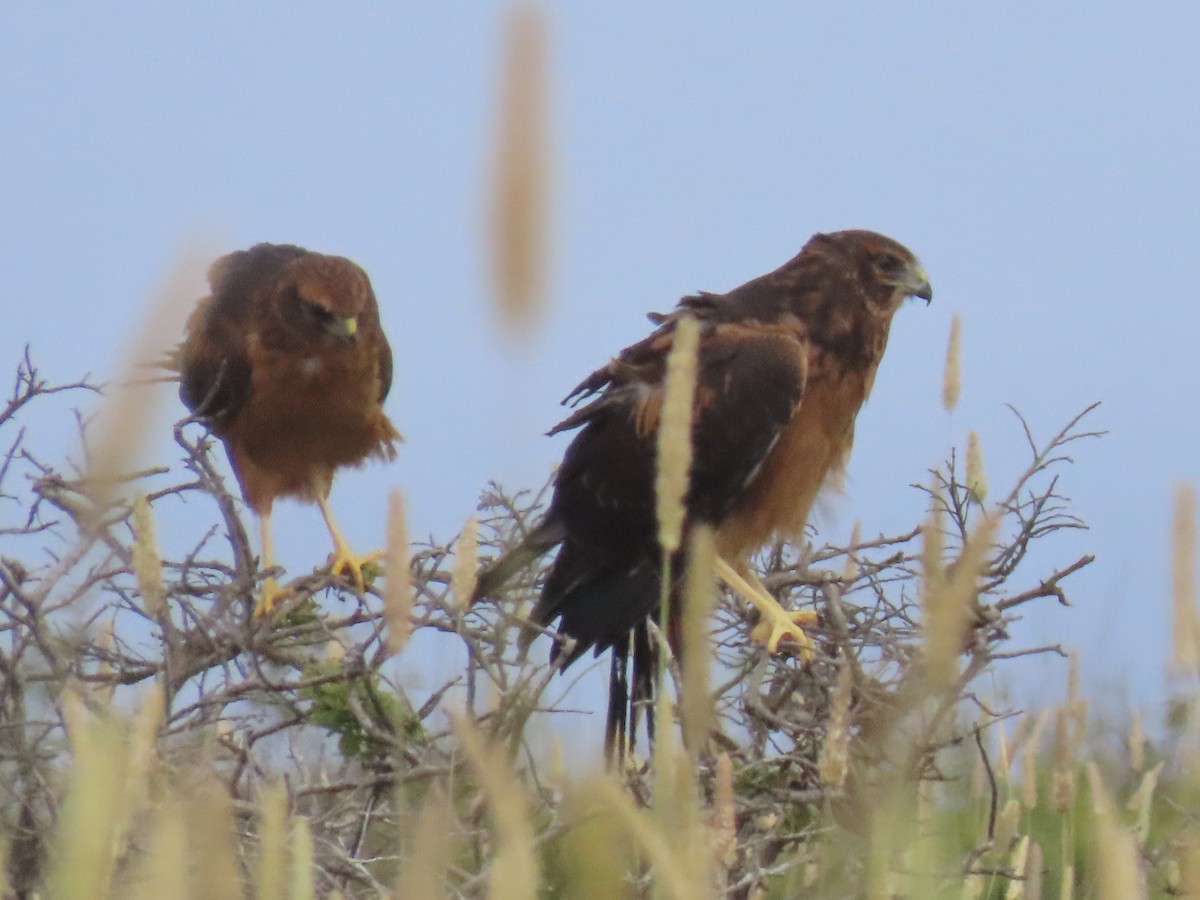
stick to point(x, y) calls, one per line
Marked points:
point(749, 383)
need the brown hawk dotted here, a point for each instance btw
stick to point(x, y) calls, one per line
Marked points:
point(784, 363)
point(288, 365)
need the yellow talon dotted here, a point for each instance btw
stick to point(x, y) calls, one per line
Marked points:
point(786, 624)
point(270, 596)
point(344, 562)
point(777, 623)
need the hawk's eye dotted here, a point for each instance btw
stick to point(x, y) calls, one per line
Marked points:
point(889, 263)
point(319, 314)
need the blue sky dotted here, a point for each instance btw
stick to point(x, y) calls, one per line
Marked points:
point(1040, 158)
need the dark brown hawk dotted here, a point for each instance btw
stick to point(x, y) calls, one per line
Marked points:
point(287, 364)
point(785, 362)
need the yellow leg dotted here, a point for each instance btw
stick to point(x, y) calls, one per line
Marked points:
point(271, 593)
point(777, 623)
point(343, 559)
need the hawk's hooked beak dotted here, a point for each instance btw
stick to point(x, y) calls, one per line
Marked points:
point(916, 283)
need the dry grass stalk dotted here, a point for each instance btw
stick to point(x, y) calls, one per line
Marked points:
point(948, 605)
point(143, 762)
point(1062, 776)
point(163, 870)
point(105, 640)
point(933, 546)
point(302, 861)
point(147, 565)
point(1185, 655)
point(521, 175)
point(952, 376)
point(976, 475)
point(1117, 875)
point(1004, 757)
point(515, 872)
point(879, 876)
point(1016, 886)
point(675, 433)
point(127, 415)
point(676, 813)
point(466, 563)
point(835, 751)
point(270, 871)
point(596, 848)
point(1142, 803)
point(699, 595)
point(1136, 742)
point(85, 841)
point(1007, 825)
point(850, 570)
point(1029, 762)
point(78, 724)
point(677, 875)
point(933, 577)
point(724, 814)
point(397, 593)
point(923, 851)
point(1021, 731)
point(1184, 881)
point(430, 841)
point(1034, 866)
point(212, 837)
point(145, 732)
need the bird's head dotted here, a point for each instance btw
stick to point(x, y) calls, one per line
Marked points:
point(328, 296)
point(887, 271)
point(845, 286)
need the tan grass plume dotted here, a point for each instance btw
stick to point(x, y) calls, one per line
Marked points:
point(520, 177)
point(429, 852)
point(397, 592)
point(1185, 647)
point(270, 871)
point(515, 871)
point(123, 422)
point(464, 575)
point(303, 869)
point(1116, 855)
point(976, 475)
point(1136, 742)
point(948, 604)
point(724, 813)
point(162, 871)
point(147, 566)
point(675, 433)
point(952, 375)
point(835, 752)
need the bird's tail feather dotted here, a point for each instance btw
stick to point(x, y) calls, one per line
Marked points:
point(630, 693)
point(493, 578)
point(617, 723)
